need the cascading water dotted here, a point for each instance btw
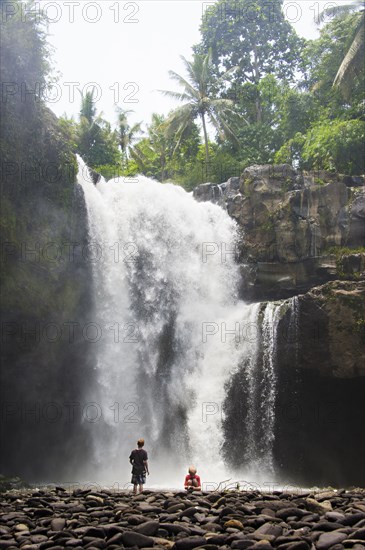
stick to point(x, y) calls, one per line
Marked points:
point(169, 331)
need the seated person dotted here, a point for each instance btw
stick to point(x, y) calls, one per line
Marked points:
point(192, 481)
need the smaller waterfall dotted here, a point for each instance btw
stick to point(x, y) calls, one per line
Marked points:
point(261, 381)
point(255, 384)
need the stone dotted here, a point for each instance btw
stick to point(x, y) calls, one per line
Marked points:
point(318, 507)
point(189, 542)
point(269, 529)
point(130, 538)
point(136, 519)
point(148, 528)
point(165, 543)
point(233, 523)
point(325, 495)
point(37, 539)
point(337, 517)
point(353, 519)
point(96, 543)
point(21, 527)
point(287, 512)
point(330, 539)
point(57, 524)
point(295, 545)
point(359, 534)
point(327, 526)
point(175, 528)
point(262, 545)
point(95, 498)
point(242, 544)
point(94, 532)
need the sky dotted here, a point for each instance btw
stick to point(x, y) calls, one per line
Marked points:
point(124, 49)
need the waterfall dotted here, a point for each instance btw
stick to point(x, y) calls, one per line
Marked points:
point(171, 335)
point(259, 373)
point(165, 289)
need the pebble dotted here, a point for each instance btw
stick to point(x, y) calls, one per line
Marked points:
point(55, 519)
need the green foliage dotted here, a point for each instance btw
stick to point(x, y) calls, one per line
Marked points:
point(253, 39)
point(252, 36)
point(324, 56)
point(337, 145)
point(156, 155)
point(96, 142)
point(200, 101)
point(291, 152)
point(352, 62)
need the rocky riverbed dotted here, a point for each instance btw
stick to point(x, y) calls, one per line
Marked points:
point(56, 518)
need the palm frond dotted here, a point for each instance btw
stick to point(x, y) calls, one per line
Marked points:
point(175, 95)
point(183, 83)
point(352, 61)
point(336, 11)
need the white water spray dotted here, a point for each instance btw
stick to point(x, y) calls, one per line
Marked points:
point(165, 291)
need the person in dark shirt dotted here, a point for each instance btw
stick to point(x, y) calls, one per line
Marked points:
point(192, 481)
point(139, 460)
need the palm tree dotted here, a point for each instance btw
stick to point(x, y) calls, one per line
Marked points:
point(154, 151)
point(199, 95)
point(353, 60)
point(126, 133)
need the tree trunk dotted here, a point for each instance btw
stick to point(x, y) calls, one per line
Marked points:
point(205, 140)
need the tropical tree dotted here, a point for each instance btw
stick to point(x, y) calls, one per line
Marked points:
point(127, 134)
point(200, 101)
point(254, 37)
point(97, 143)
point(352, 64)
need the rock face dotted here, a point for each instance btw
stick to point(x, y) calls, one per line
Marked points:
point(320, 406)
point(303, 236)
point(290, 222)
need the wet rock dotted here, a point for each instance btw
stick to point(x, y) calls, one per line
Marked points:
point(163, 542)
point(287, 512)
point(174, 528)
point(262, 545)
point(233, 523)
point(335, 516)
point(189, 542)
point(269, 529)
point(130, 538)
point(359, 534)
point(37, 539)
point(148, 528)
point(242, 544)
point(318, 507)
point(21, 527)
point(57, 524)
point(94, 532)
point(326, 540)
point(353, 519)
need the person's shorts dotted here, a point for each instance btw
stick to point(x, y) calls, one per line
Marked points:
point(138, 479)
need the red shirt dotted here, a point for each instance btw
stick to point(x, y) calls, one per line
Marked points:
point(189, 477)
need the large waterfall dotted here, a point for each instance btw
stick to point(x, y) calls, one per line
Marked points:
point(171, 334)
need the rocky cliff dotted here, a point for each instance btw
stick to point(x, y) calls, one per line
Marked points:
point(303, 236)
point(45, 304)
point(298, 229)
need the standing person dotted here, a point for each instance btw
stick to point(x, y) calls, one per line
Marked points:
point(192, 481)
point(139, 460)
